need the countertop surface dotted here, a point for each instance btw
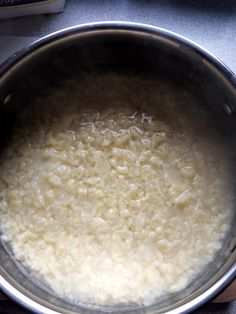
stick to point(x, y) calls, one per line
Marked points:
point(210, 23)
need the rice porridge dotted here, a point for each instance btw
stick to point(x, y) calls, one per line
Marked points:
point(112, 197)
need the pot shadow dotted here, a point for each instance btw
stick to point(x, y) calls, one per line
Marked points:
point(217, 308)
point(9, 307)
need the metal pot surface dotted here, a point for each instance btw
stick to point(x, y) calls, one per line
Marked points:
point(123, 48)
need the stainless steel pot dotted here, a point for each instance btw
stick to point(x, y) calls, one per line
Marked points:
point(120, 47)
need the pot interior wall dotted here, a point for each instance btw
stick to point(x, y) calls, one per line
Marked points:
point(127, 52)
